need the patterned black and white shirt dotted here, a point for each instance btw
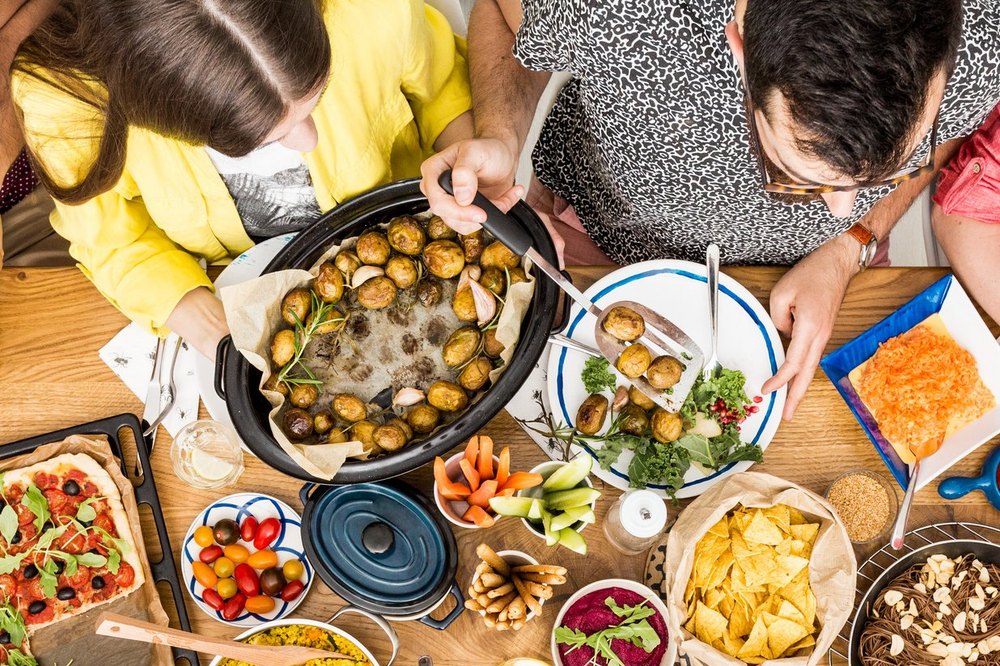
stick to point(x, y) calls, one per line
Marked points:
point(649, 141)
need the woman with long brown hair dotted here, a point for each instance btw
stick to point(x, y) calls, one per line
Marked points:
point(173, 131)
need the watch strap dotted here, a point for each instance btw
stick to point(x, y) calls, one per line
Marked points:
point(868, 242)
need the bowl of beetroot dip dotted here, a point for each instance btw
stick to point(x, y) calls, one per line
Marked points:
point(587, 611)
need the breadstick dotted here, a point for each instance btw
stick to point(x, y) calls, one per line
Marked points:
point(491, 580)
point(503, 590)
point(497, 605)
point(483, 600)
point(473, 605)
point(541, 568)
point(481, 569)
point(516, 609)
point(529, 600)
point(488, 555)
point(547, 579)
point(537, 589)
point(517, 624)
point(479, 587)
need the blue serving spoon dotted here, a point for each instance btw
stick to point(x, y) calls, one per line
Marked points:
point(959, 486)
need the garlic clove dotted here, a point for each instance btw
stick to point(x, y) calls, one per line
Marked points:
point(470, 272)
point(364, 274)
point(485, 301)
point(405, 397)
point(621, 399)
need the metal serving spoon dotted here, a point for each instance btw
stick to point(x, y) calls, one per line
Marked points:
point(661, 336)
point(712, 365)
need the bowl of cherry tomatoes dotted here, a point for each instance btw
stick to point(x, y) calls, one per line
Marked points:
point(243, 562)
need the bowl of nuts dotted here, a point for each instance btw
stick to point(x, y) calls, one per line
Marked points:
point(935, 606)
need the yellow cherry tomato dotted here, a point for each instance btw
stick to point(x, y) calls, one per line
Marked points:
point(204, 574)
point(292, 570)
point(263, 559)
point(237, 553)
point(203, 536)
point(260, 604)
point(227, 588)
point(224, 567)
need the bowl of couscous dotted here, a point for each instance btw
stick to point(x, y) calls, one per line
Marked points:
point(309, 633)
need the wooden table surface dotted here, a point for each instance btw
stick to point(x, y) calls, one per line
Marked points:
point(52, 323)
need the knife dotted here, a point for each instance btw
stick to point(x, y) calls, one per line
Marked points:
point(151, 408)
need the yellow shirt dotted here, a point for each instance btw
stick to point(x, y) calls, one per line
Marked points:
point(398, 78)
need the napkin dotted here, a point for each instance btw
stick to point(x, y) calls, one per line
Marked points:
point(130, 356)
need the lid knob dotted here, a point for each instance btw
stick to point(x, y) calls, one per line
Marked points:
point(377, 537)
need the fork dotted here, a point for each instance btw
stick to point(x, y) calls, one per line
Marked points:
point(168, 390)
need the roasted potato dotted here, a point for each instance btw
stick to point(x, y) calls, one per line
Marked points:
point(349, 407)
point(590, 416)
point(423, 418)
point(329, 283)
point(377, 293)
point(295, 306)
point(667, 426)
point(335, 321)
point(347, 262)
point(362, 432)
point(402, 271)
point(438, 229)
point(624, 323)
point(494, 280)
point(272, 384)
point(447, 397)
point(497, 255)
point(373, 248)
point(304, 395)
point(283, 347)
point(336, 436)
point(389, 437)
point(517, 275)
point(444, 258)
point(464, 305)
point(404, 426)
point(664, 372)
point(634, 360)
point(491, 346)
point(472, 246)
point(406, 235)
point(633, 419)
point(637, 397)
point(429, 292)
point(475, 375)
point(298, 423)
point(323, 422)
point(461, 346)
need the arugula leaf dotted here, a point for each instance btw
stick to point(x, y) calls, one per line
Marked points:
point(630, 613)
point(8, 523)
point(572, 637)
point(71, 567)
point(18, 658)
point(12, 622)
point(91, 559)
point(114, 560)
point(38, 505)
point(85, 513)
point(47, 580)
point(597, 376)
point(50, 536)
point(10, 563)
point(634, 628)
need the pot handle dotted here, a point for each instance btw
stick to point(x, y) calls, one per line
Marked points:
point(444, 623)
point(305, 491)
point(379, 621)
point(221, 354)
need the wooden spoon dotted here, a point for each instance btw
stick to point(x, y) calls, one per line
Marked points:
point(119, 626)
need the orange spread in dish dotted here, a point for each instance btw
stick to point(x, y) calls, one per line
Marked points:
point(921, 387)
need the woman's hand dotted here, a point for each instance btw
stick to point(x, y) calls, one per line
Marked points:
point(804, 306)
point(200, 320)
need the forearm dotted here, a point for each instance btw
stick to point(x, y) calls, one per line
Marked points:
point(457, 130)
point(200, 320)
point(504, 92)
point(972, 248)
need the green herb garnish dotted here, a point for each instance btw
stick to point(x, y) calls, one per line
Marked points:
point(323, 313)
point(634, 628)
point(38, 505)
point(597, 375)
point(8, 523)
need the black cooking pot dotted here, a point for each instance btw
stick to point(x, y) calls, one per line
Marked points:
point(236, 381)
point(984, 551)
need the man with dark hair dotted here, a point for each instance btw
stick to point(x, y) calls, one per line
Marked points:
point(806, 151)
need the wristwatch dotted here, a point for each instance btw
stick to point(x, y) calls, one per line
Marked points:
point(868, 241)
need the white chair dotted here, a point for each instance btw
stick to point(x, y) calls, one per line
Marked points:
point(456, 13)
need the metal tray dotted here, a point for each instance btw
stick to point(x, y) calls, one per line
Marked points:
point(145, 493)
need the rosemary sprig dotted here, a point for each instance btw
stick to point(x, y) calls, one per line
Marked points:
point(323, 313)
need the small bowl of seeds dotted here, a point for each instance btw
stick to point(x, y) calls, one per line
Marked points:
point(866, 503)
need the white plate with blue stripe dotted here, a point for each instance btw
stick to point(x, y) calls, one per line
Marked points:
point(678, 291)
point(288, 546)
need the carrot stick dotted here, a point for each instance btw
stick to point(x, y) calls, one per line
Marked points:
point(481, 498)
point(472, 450)
point(503, 469)
point(485, 457)
point(471, 475)
point(522, 480)
point(478, 516)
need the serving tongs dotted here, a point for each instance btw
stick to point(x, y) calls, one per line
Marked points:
point(661, 336)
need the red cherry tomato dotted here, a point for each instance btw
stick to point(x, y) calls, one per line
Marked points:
point(247, 580)
point(210, 554)
point(213, 599)
point(267, 532)
point(292, 590)
point(234, 607)
point(248, 530)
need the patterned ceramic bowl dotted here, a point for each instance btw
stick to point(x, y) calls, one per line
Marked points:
point(288, 546)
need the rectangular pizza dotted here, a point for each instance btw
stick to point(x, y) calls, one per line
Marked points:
point(921, 387)
point(65, 547)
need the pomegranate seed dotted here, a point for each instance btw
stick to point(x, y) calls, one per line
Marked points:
point(753, 409)
point(758, 399)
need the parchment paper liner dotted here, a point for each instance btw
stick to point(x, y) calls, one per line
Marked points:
point(253, 312)
point(73, 638)
point(832, 566)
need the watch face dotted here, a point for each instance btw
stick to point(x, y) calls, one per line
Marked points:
point(868, 253)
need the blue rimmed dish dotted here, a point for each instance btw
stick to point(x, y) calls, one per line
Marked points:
point(678, 290)
point(288, 546)
point(946, 298)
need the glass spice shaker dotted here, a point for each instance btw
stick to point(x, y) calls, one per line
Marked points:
point(636, 521)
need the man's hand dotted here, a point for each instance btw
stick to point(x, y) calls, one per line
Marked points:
point(804, 306)
point(485, 164)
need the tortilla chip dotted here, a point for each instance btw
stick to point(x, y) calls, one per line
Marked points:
point(806, 532)
point(782, 634)
point(711, 625)
point(762, 530)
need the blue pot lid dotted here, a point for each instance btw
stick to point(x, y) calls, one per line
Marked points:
point(380, 546)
